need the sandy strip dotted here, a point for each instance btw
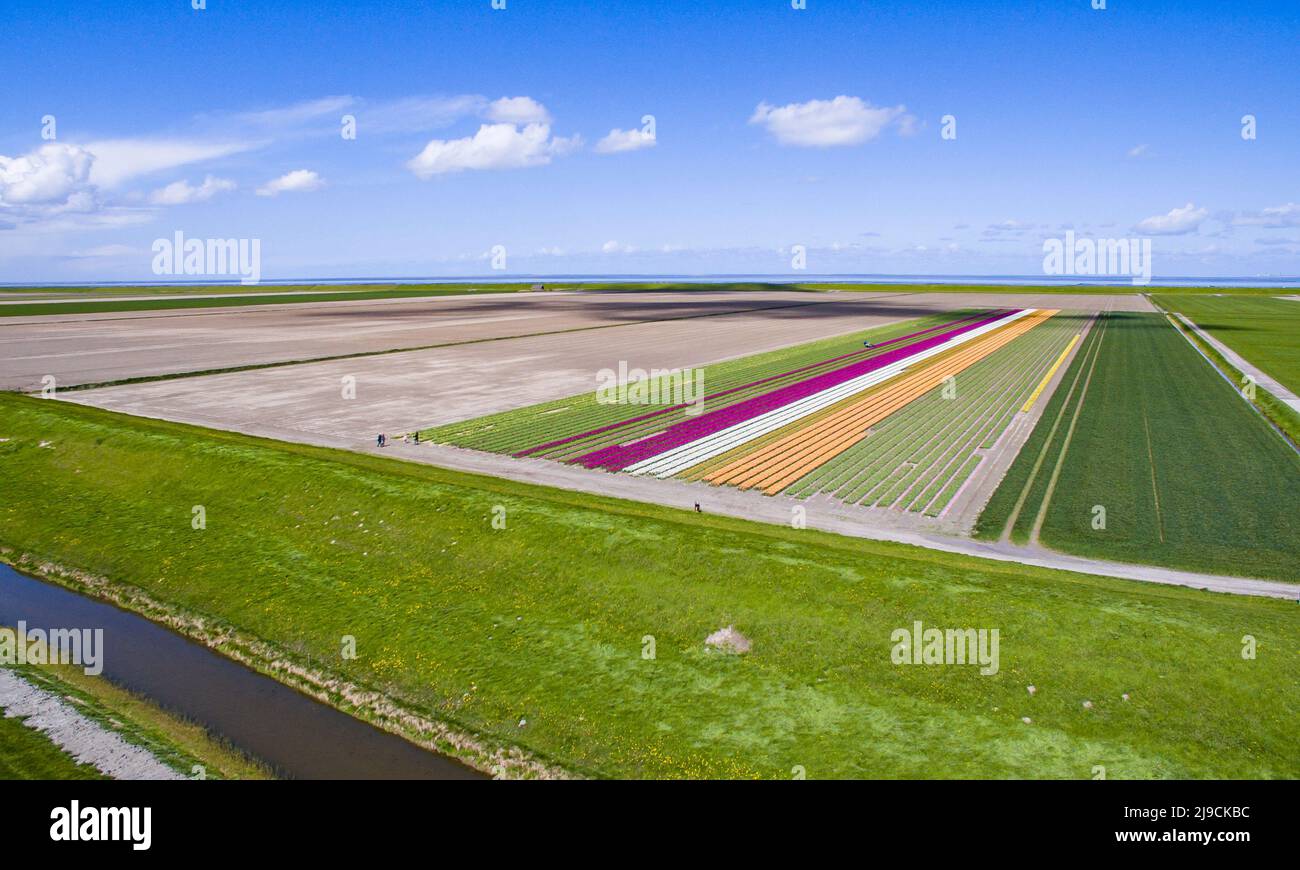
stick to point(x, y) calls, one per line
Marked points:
point(81, 737)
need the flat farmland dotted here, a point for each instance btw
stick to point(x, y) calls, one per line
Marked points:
point(99, 348)
point(1264, 330)
point(493, 354)
point(902, 422)
point(582, 422)
point(919, 458)
point(109, 347)
point(405, 391)
point(1144, 430)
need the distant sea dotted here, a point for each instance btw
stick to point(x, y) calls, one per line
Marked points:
point(783, 278)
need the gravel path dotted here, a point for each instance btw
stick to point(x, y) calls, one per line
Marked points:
point(84, 739)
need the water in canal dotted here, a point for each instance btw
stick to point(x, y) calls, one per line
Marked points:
point(294, 734)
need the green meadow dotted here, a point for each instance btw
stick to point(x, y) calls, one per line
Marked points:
point(573, 626)
point(1264, 330)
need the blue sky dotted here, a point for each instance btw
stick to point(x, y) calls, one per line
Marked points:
point(773, 127)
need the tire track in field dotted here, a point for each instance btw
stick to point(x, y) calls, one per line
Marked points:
point(1155, 491)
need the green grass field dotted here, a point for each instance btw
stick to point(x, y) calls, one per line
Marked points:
point(1188, 475)
point(1265, 331)
point(26, 753)
point(545, 622)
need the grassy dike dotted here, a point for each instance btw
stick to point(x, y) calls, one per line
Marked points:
point(534, 636)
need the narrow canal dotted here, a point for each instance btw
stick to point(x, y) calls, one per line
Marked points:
point(294, 734)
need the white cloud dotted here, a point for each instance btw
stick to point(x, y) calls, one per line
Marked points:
point(518, 110)
point(613, 247)
point(1175, 222)
point(826, 123)
point(624, 140)
point(181, 192)
point(1276, 217)
point(413, 114)
point(1138, 151)
point(297, 181)
point(120, 160)
point(494, 146)
point(299, 113)
point(52, 176)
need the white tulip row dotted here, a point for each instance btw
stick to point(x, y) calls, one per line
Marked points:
point(680, 458)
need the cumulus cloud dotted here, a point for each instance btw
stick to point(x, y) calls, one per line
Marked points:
point(494, 146)
point(827, 123)
point(50, 176)
point(614, 247)
point(1175, 222)
point(297, 181)
point(1276, 217)
point(182, 192)
point(517, 110)
point(618, 141)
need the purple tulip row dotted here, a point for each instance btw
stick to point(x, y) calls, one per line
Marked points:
point(550, 445)
point(619, 456)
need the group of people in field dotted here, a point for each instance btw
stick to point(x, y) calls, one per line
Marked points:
point(381, 440)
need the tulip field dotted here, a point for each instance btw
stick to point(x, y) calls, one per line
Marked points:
point(902, 422)
point(1145, 454)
